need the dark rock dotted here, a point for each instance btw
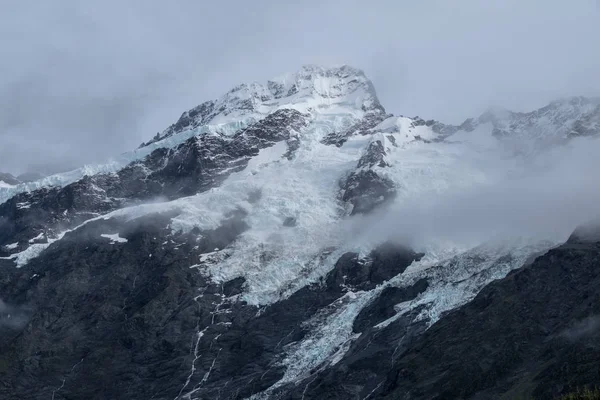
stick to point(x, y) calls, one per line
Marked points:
point(374, 156)
point(290, 222)
point(363, 127)
point(382, 308)
point(392, 139)
point(233, 287)
point(365, 190)
point(382, 264)
point(129, 314)
point(525, 336)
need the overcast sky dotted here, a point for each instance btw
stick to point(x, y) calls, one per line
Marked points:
point(81, 81)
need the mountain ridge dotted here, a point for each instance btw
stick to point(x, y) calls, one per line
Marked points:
point(573, 116)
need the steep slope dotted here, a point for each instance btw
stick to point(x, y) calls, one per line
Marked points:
point(533, 335)
point(244, 253)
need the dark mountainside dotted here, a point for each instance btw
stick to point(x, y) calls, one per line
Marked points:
point(115, 307)
point(534, 334)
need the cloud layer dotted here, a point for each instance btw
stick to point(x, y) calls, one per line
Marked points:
point(541, 198)
point(81, 81)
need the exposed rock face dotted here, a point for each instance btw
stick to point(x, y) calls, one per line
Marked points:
point(382, 264)
point(366, 189)
point(362, 127)
point(383, 307)
point(533, 334)
point(107, 318)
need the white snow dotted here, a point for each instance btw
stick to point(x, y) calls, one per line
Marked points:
point(5, 185)
point(38, 237)
point(114, 238)
point(327, 92)
point(12, 246)
point(22, 258)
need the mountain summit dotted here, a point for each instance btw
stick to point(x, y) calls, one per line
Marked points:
point(313, 89)
point(285, 241)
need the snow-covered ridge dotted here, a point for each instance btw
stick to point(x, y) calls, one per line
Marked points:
point(343, 93)
point(550, 125)
point(313, 89)
point(117, 163)
point(347, 94)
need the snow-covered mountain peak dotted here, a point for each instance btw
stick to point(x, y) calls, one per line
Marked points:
point(315, 90)
point(325, 82)
point(547, 126)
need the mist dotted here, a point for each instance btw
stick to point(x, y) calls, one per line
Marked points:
point(83, 81)
point(542, 198)
point(586, 328)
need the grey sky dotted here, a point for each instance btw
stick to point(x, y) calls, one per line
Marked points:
point(80, 81)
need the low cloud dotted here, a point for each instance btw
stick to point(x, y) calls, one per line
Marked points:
point(545, 198)
point(84, 81)
point(582, 329)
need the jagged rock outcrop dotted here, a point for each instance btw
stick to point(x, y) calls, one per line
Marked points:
point(366, 188)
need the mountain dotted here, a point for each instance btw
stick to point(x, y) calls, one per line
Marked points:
point(551, 125)
point(284, 242)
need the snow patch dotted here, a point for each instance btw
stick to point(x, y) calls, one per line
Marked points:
point(114, 238)
point(22, 258)
point(38, 237)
